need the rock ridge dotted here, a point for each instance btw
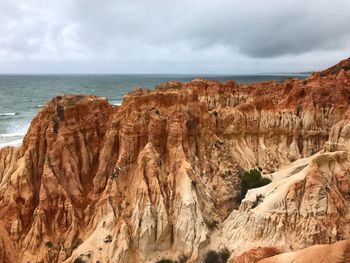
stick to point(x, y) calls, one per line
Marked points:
point(160, 175)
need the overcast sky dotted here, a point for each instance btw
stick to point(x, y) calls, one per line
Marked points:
point(181, 36)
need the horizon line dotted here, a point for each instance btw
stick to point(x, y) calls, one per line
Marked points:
point(160, 74)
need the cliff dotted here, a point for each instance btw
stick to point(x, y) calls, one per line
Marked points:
point(160, 176)
point(338, 252)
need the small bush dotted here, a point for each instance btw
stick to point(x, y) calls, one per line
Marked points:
point(224, 254)
point(346, 67)
point(49, 244)
point(108, 239)
point(115, 172)
point(60, 111)
point(211, 257)
point(217, 257)
point(166, 261)
point(77, 243)
point(182, 259)
point(252, 179)
point(212, 224)
point(259, 199)
point(79, 260)
point(194, 184)
point(56, 124)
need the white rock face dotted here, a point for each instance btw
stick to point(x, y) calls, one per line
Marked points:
point(308, 202)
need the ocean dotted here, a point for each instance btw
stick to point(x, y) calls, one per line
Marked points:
point(22, 96)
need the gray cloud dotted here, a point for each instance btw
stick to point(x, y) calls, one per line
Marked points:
point(172, 36)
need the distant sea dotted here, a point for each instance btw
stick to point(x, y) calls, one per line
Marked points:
point(22, 96)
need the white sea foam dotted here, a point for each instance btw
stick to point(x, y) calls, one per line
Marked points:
point(116, 102)
point(9, 114)
point(14, 135)
point(15, 143)
point(9, 135)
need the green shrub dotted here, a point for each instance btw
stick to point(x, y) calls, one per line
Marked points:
point(182, 259)
point(108, 239)
point(265, 181)
point(194, 184)
point(252, 179)
point(224, 254)
point(211, 257)
point(49, 244)
point(217, 257)
point(77, 243)
point(79, 260)
point(346, 67)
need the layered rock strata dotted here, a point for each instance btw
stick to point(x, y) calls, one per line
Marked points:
point(160, 175)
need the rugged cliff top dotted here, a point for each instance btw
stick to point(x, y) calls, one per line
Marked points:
point(161, 175)
point(334, 70)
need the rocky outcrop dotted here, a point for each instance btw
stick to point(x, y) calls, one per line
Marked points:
point(334, 70)
point(307, 203)
point(338, 252)
point(160, 175)
point(256, 254)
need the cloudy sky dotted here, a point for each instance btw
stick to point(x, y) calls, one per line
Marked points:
point(163, 36)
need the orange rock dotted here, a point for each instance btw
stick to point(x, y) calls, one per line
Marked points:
point(160, 174)
point(338, 252)
point(256, 254)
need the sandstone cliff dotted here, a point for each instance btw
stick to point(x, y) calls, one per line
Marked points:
point(160, 176)
point(338, 252)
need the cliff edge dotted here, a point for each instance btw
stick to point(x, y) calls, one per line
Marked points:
point(159, 177)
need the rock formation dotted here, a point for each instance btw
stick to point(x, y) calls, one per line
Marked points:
point(159, 177)
point(256, 254)
point(338, 252)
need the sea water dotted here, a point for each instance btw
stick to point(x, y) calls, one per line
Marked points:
point(22, 96)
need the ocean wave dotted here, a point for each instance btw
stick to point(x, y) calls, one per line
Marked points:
point(15, 130)
point(15, 142)
point(116, 102)
point(39, 106)
point(8, 114)
point(13, 137)
point(15, 134)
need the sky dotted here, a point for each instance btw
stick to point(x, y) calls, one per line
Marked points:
point(180, 37)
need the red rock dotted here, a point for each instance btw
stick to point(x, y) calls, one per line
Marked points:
point(159, 174)
point(338, 252)
point(254, 255)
